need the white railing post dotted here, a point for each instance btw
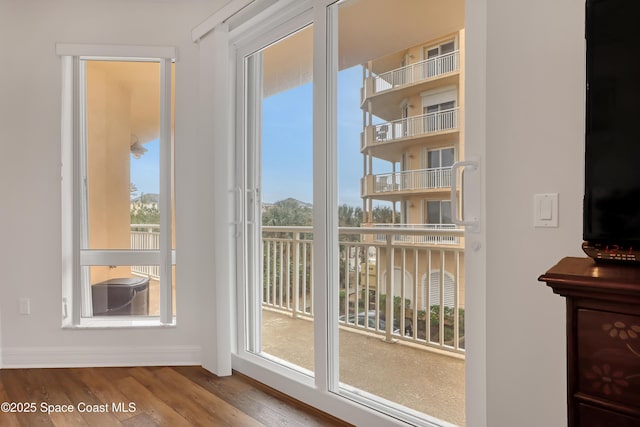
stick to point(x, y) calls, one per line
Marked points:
point(389, 290)
point(296, 274)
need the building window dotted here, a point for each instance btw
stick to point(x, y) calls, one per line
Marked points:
point(440, 158)
point(439, 109)
point(117, 186)
point(437, 212)
point(439, 59)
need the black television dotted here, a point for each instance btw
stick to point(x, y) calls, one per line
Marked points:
point(611, 223)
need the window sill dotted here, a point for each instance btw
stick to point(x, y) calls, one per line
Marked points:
point(124, 322)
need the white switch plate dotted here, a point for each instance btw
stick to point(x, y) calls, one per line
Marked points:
point(545, 210)
point(25, 306)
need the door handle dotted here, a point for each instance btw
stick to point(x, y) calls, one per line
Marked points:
point(473, 223)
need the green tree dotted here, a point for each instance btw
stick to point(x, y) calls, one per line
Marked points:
point(145, 215)
point(384, 215)
point(348, 216)
point(287, 212)
point(144, 209)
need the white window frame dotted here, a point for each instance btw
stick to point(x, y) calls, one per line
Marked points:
point(76, 300)
point(439, 45)
point(424, 158)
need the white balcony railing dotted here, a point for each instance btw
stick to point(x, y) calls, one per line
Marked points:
point(429, 239)
point(429, 68)
point(418, 179)
point(426, 277)
point(416, 125)
point(146, 237)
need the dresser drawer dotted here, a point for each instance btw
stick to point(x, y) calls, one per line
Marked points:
point(591, 416)
point(608, 356)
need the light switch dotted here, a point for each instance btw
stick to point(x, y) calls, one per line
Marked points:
point(545, 210)
point(24, 305)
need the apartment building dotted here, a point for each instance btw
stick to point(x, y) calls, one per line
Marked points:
point(413, 131)
point(413, 105)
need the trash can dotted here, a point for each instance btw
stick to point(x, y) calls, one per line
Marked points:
point(121, 297)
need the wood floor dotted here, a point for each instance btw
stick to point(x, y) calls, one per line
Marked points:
point(146, 396)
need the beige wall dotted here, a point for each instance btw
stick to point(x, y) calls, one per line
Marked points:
point(109, 122)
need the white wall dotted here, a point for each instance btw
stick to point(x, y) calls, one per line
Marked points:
point(535, 109)
point(30, 168)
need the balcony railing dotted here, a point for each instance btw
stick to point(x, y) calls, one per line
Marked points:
point(416, 125)
point(427, 287)
point(146, 237)
point(429, 68)
point(430, 239)
point(427, 284)
point(418, 179)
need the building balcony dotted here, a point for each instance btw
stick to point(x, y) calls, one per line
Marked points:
point(389, 186)
point(424, 75)
point(386, 137)
point(449, 236)
point(396, 348)
point(428, 266)
point(426, 381)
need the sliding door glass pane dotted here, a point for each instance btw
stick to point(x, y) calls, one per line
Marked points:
point(279, 87)
point(401, 311)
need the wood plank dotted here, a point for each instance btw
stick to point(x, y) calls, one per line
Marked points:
point(54, 395)
point(103, 387)
point(228, 414)
point(186, 407)
point(150, 404)
point(6, 418)
point(256, 400)
point(19, 391)
point(80, 394)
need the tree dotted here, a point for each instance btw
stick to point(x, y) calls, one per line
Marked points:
point(348, 216)
point(145, 215)
point(287, 212)
point(384, 215)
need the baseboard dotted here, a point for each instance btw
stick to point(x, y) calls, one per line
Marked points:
point(79, 357)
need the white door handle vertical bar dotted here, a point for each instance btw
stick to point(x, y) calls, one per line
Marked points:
point(472, 224)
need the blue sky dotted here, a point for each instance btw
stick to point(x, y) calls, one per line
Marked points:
point(287, 130)
point(145, 171)
point(287, 142)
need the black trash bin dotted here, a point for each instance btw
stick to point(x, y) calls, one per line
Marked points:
point(121, 297)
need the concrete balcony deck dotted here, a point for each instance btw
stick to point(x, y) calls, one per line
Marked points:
point(418, 378)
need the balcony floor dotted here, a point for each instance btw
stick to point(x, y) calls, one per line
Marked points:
point(420, 379)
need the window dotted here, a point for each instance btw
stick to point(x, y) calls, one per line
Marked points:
point(439, 59)
point(440, 158)
point(437, 212)
point(117, 186)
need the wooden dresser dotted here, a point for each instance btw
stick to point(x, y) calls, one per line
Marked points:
point(603, 341)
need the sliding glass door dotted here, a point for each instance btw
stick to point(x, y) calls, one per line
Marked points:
point(279, 191)
point(342, 282)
